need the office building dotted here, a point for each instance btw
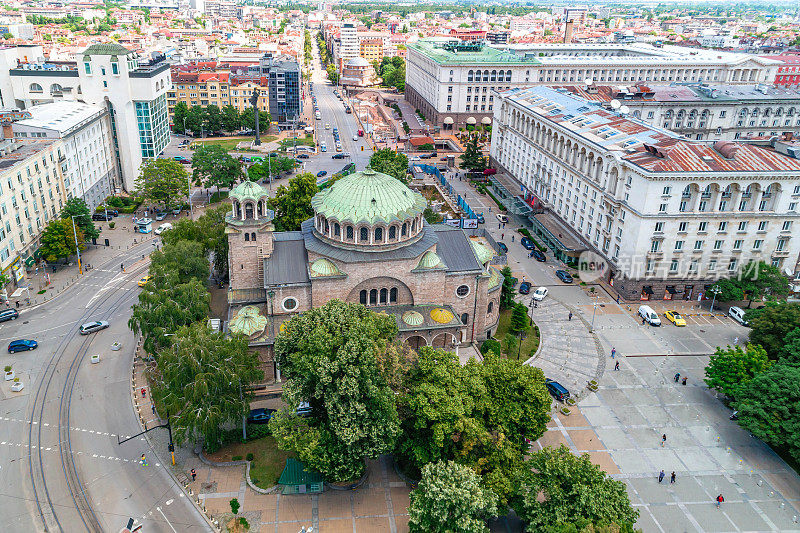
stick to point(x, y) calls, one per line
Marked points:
point(667, 215)
point(284, 82)
point(89, 167)
point(450, 81)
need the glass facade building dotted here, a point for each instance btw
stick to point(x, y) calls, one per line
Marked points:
point(153, 123)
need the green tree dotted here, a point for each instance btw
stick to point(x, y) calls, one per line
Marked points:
point(772, 324)
point(258, 171)
point(292, 204)
point(203, 380)
point(83, 217)
point(730, 290)
point(730, 369)
point(231, 119)
point(390, 162)
point(507, 291)
point(196, 120)
point(333, 74)
point(209, 231)
point(213, 118)
point(185, 259)
point(519, 319)
point(760, 279)
point(58, 240)
point(162, 181)
point(165, 306)
point(558, 487)
point(472, 158)
point(329, 356)
point(450, 497)
point(212, 165)
point(248, 120)
point(769, 407)
point(790, 354)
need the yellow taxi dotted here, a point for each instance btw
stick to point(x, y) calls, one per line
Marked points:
point(675, 318)
point(142, 282)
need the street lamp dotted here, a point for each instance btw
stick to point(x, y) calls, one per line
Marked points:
point(594, 310)
point(77, 248)
point(715, 290)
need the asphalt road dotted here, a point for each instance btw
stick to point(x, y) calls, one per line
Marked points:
point(61, 467)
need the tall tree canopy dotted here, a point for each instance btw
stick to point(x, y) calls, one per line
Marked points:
point(770, 326)
point(58, 240)
point(214, 167)
point(162, 181)
point(329, 356)
point(558, 487)
point(472, 158)
point(754, 280)
point(450, 498)
point(186, 259)
point(83, 217)
point(209, 231)
point(730, 369)
point(390, 162)
point(292, 205)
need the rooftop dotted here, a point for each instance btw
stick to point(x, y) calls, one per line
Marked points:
point(106, 49)
point(18, 151)
point(686, 93)
point(62, 116)
point(433, 48)
point(651, 148)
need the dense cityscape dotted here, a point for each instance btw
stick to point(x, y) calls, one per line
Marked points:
point(427, 267)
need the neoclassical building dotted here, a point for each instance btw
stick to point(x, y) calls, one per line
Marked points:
point(367, 243)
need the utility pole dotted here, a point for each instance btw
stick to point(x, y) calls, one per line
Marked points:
point(77, 248)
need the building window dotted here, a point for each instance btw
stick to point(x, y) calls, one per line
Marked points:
point(362, 297)
point(289, 304)
point(393, 295)
point(373, 296)
point(490, 308)
point(384, 295)
point(462, 291)
point(87, 67)
point(378, 234)
point(464, 319)
point(392, 233)
point(114, 68)
point(337, 230)
point(364, 235)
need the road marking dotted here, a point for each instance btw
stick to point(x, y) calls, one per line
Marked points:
point(165, 519)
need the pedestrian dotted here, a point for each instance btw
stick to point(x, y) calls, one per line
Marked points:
point(499, 225)
point(720, 499)
point(502, 236)
point(683, 382)
point(512, 238)
point(736, 341)
point(661, 476)
point(677, 376)
point(663, 439)
point(122, 267)
point(194, 474)
point(144, 460)
point(613, 352)
point(143, 392)
point(570, 315)
point(504, 225)
point(617, 299)
point(643, 321)
point(672, 478)
point(616, 365)
point(153, 408)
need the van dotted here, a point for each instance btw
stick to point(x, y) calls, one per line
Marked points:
point(318, 116)
point(649, 315)
point(737, 313)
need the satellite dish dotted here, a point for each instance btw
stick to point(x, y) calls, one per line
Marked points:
point(615, 104)
point(588, 81)
point(624, 110)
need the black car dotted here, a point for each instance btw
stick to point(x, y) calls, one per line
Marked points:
point(260, 416)
point(527, 243)
point(502, 247)
point(8, 314)
point(556, 390)
point(538, 255)
point(524, 287)
point(564, 276)
point(302, 156)
point(102, 217)
point(322, 173)
point(337, 156)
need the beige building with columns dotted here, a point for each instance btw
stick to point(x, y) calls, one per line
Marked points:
point(368, 243)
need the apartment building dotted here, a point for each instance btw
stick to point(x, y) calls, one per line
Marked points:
point(703, 112)
point(89, 167)
point(31, 194)
point(201, 86)
point(450, 81)
point(667, 215)
point(788, 74)
point(371, 49)
point(242, 90)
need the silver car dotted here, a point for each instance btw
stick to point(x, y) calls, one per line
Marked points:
point(92, 327)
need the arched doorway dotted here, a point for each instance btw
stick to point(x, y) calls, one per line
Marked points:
point(415, 342)
point(445, 340)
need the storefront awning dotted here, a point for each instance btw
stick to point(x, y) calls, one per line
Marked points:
point(448, 120)
point(37, 254)
point(30, 261)
point(671, 289)
point(486, 121)
point(647, 289)
point(471, 120)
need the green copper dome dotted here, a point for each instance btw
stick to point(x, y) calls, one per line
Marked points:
point(430, 260)
point(248, 190)
point(482, 252)
point(323, 268)
point(495, 279)
point(370, 197)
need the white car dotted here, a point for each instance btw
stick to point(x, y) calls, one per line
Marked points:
point(502, 218)
point(162, 228)
point(540, 293)
point(414, 158)
point(355, 138)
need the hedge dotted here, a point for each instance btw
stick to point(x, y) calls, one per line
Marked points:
point(499, 204)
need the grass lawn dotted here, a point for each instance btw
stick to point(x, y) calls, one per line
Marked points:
point(268, 460)
point(229, 143)
point(529, 345)
point(218, 196)
point(308, 140)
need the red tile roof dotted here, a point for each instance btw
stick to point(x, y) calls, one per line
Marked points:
point(686, 156)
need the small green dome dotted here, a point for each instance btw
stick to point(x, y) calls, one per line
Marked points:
point(322, 268)
point(430, 260)
point(413, 318)
point(482, 252)
point(369, 197)
point(248, 190)
point(495, 279)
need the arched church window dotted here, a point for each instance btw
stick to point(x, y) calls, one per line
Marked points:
point(349, 233)
point(364, 235)
point(373, 296)
point(378, 234)
point(362, 297)
point(393, 295)
point(392, 233)
point(384, 295)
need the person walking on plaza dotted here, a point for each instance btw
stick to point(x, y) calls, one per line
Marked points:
point(194, 474)
point(663, 439)
point(672, 478)
point(720, 499)
point(683, 382)
point(143, 392)
point(570, 316)
point(613, 352)
point(144, 460)
point(616, 365)
point(677, 376)
point(661, 476)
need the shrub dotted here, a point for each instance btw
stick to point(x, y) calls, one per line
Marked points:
point(111, 224)
point(236, 458)
point(7, 368)
point(491, 345)
point(257, 431)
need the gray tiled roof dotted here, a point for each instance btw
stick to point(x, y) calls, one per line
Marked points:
point(455, 250)
point(287, 264)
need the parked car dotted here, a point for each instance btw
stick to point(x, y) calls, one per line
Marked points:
point(675, 318)
point(304, 409)
point(502, 247)
point(737, 313)
point(92, 327)
point(527, 243)
point(414, 158)
point(102, 217)
point(327, 126)
point(540, 294)
point(162, 228)
point(161, 215)
point(649, 316)
point(539, 255)
point(481, 220)
point(8, 314)
point(524, 287)
point(322, 173)
point(564, 276)
point(355, 137)
point(337, 156)
point(112, 212)
point(22, 345)
point(502, 218)
point(260, 416)
point(302, 156)
point(556, 390)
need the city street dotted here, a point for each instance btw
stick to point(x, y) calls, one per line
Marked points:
point(61, 466)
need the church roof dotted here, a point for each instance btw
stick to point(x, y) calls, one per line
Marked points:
point(369, 197)
point(430, 260)
point(323, 268)
point(248, 190)
point(106, 49)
